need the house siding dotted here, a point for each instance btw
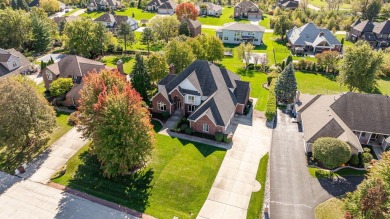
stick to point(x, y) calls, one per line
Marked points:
point(177, 94)
point(198, 126)
point(230, 34)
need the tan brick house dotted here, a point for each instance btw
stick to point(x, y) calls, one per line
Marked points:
point(206, 94)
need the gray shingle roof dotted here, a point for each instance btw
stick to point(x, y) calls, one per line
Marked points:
point(166, 79)
point(241, 90)
point(331, 129)
point(73, 65)
point(193, 23)
point(364, 112)
point(106, 18)
point(382, 27)
point(24, 62)
point(241, 27)
point(364, 26)
point(308, 34)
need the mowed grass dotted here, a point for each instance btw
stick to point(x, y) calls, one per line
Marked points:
point(71, 12)
point(111, 61)
point(137, 45)
point(92, 15)
point(322, 3)
point(266, 21)
point(138, 13)
point(330, 209)
point(384, 85)
point(223, 19)
point(175, 182)
point(257, 198)
point(208, 31)
point(315, 83)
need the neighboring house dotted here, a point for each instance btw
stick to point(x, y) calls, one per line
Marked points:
point(313, 39)
point(237, 33)
point(111, 21)
point(162, 6)
point(13, 62)
point(209, 9)
point(194, 26)
point(74, 67)
point(376, 34)
point(62, 20)
point(248, 10)
point(205, 93)
point(356, 118)
point(288, 4)
point(101, 5)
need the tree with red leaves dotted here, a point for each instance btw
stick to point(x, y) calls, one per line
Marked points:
point(112, 115)
point(186, 10)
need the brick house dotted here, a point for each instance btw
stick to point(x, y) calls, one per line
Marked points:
point(247, 10)
point(194, 26)
point(206, 94)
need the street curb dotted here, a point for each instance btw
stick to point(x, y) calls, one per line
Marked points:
point(100, 201)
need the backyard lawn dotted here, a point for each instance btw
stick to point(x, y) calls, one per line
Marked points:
point(137, 45)
point(266, 21)
point(330, 209)
point(138, 13)
point(322, 3)
point(208, 31)
point(175, 182)
point(257, 198)
point(219, 21)
point(92, 15)
point(71, 12)
point(128, 61)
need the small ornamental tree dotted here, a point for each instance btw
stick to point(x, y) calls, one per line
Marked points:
point(186, 10)
point(183, 29)
point(113, 116)
point(147, 37)
point(286, 86)
point(60, 86)
point(244, 52)
point(331, 152)
point(124, 31)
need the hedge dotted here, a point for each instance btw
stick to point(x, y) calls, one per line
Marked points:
point(270, 110)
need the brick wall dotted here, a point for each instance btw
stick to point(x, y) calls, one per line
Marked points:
point(177, 94)
point(198, 126)
point(240, 109)
point(159, 98)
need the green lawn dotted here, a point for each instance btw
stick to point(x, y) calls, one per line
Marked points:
point(320, 173)
point(346, 42)
point(384, 85)
point(111, 60)
point(322, 3)
point(330, 209)
point(71, 12)
point(314, 83)
point(223, 19)
point(266, 21)
point(138, 13)
point(92, 15)
point(137, 45)
point(208, 31)
point(257, 198)
point(175, 182)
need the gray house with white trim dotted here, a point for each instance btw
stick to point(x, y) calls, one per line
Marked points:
point(236, 33)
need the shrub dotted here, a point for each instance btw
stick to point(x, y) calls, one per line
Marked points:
point(60, 86)
point(367, 157)
point(74, 118)
point(366, 150)
point(271, 76)
point(165, 114)
point(354, 159)
point(188, 130)
point(227, 139)
point(270, 110)
point(218, 137)
point(331, 152)
point(183, 127)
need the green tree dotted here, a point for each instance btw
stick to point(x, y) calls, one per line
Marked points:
point(164, 28)
point(244, 52)
point(26, 121)
point(157, 66)
point(330, 59)
point(180, 54)
point(147, 37)
point(61, 86)
point(359, 67)
point(42, 30)
point(331, 152)
point(124, 31)
point(214, 48)
point(19, 22)
point(19, 5)
point(198, 46)
point(281, 25)
point(373, 9)
point(183, 29)
point(286, 86)
point(140, 78)
point(113, 116)
point(103, 37)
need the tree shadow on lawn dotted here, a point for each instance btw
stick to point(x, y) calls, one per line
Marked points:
point(125, 59)
point(204, 149)
point(329, 76)
point(131, 190)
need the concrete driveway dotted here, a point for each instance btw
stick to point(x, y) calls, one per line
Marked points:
point(294, 193)
point(230, 194)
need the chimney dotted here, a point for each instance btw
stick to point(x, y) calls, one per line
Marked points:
point(119, 66)
point(172, 69)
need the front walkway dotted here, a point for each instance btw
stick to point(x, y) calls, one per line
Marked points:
point(236, 180)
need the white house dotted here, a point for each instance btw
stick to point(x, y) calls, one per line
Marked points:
point(209, 9)
point(13, 62)
point(111, 21)
point(236, 33)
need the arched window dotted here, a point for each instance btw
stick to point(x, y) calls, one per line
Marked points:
point(49, 76)
point(161, 106)
point(205, 127)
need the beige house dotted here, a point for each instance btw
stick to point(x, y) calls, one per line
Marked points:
point(356, 118)
point(248, 10)
point(13, 62)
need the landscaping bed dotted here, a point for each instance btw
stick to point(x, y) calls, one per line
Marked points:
point(175, 182)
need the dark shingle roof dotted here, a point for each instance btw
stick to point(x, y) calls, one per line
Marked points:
point(193, 23)
point(166, 79)
point(5, 57)
point(369, 36)
point(364, 26)
point(290, 4)
point(241, 91)
point(331, 129)
point(106, 18)
point(364, 112)
point(382, 27)
point(73, 65)
point(24, 62)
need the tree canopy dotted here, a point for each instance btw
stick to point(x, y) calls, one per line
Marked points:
point(147, 37)
point(140, 78)
point(113, 116)
point(286, 86)
point(157, 66)
point(164, 28)
point(179, 53)
point(186, 10)
point(331, 152)
point(281, 25)
point(60, 86)
point(124, 31)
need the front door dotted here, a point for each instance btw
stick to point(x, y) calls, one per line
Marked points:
point(178, 104)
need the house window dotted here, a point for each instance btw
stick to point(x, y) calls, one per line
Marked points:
point(14, 64)
point(49, 76)
point(191, 99)
point(225, 38)
point(161, 106)
point(251, 33)
point(191, 108)
point(256, 40)
point(205, 127)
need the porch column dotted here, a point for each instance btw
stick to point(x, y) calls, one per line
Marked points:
point(360, 135)
point(368, 141)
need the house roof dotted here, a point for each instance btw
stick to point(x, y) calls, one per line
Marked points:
point(364, 112)
point(382, 27)
point(369, 36)
point(246, 4)
point(290, 4)
point(5, 55)
point(106, 17)
point(212, 82)
point(168, 5)
point(241, 91)
point(33, 3)
point(241, 27)
point(193, 23)
point(356, 22)
point(73, 65)
point(364, 26)
point(210, 6)
point(309, 33)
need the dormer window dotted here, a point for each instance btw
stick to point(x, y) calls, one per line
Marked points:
point(14, 64)
point(49, 76)
point(191, 99)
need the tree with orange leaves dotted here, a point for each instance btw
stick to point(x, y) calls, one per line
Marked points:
point(112, 115)
point(186, 10)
